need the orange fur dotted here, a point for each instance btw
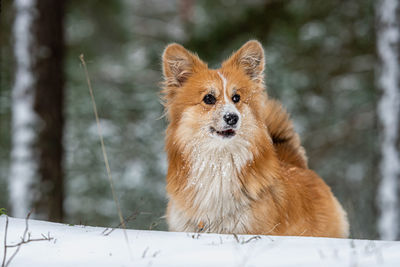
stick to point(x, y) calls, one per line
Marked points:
point(256, 182)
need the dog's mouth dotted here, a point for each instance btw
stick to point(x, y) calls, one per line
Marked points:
point(224, 134)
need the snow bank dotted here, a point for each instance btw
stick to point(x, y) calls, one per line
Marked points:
point(88, 246)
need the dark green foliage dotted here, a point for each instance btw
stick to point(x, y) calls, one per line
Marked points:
point(3, 211)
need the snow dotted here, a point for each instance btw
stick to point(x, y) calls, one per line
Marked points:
point(23, 167)
point(88, 246)
point(389, 113)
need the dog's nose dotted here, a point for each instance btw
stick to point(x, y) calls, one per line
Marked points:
point(231, 118)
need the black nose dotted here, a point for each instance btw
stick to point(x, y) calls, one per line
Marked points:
point(231, 118)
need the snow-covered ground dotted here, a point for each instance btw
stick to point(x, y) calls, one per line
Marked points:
point(89, 246)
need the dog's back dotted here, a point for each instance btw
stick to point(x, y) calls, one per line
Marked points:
point(293, 158)
point(286, 141)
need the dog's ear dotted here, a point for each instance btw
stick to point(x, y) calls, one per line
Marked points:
point(179, 64)
point(249, 58)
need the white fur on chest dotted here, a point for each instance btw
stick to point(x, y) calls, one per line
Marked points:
point(217, 199)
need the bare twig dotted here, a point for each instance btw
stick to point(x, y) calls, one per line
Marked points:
point(5, 243)
point(144, 252)
point(26, 238)
point(121, 218)
point(22, 239)
point(256, 237)
point(44, 238)
point(133, 216)
point(236, 237)
point(155, 223)
point(156, 253)
point(250, 239)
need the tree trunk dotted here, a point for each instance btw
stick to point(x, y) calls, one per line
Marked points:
point(388, 42)
point(36, 176)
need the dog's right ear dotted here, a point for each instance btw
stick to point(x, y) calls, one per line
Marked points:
point(179, 64)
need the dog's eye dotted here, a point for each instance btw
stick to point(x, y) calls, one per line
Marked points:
point(235, 98)
point(209, 99)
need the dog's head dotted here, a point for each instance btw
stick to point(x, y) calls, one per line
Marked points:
point(217, 107)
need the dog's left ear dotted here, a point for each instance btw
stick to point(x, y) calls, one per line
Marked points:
point(250, 59)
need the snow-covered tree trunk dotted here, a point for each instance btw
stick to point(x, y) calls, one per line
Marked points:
point(36, 177)
point(388, 42)
point(24, 162)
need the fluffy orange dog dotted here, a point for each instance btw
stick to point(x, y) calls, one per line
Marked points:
point(235, 163)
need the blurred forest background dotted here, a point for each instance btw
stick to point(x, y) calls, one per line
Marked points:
point(321, 60)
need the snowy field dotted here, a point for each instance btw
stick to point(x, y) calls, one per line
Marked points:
point(96, 246)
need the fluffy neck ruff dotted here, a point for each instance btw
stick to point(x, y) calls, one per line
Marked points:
point(214, 185)
point(219, 183)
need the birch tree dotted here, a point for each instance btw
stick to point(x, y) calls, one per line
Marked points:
point(388, 42)
point(36, 178)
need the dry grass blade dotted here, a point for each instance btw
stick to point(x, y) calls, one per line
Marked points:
point(103, 149)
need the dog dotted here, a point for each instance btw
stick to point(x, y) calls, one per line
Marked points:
point(235, 163)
